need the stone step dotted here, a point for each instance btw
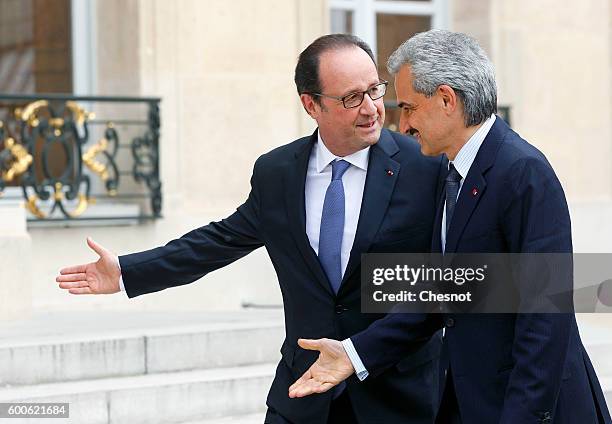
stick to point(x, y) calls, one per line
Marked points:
point(595, 330)
point(194, 396)
point(606, 386)
point(237, 419)
point(601, 357)
point(134, 344)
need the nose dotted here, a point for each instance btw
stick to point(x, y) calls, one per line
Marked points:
point(404, 126)
point(368, 107)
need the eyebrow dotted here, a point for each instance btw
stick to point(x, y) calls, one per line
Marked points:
point(361, 91)
point(402, 105)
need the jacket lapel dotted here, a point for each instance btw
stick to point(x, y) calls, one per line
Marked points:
point(295, 203)
point(379, 185)
point(475, 184)
point(436, 238)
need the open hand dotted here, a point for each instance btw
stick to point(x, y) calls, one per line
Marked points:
point(101, 277)
point(331, 368)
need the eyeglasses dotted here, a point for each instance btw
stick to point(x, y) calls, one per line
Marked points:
point(355, 99)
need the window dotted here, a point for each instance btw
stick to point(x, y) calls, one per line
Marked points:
point(35, 46)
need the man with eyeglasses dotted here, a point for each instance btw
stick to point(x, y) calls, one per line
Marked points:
point(316, 204)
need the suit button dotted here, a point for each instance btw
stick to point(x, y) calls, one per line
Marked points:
point(340, 309)
point(450, 322)
point(545, 417)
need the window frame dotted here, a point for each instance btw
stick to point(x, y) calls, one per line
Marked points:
point(84, 47)
point(365, 11)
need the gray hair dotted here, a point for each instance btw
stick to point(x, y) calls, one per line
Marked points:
point(438, 57)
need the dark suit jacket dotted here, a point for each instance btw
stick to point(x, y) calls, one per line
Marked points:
point(397, 214)
point(507, 368)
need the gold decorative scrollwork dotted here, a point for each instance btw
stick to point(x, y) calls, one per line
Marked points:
point(45, 114)
point(28, 114)
point(21, 163)
point(81, 206)
point(101, 169)
point(33, 207)
point(82, 203)
point(90, 161)
point(79, 114)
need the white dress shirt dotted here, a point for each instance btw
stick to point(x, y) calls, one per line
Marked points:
point(318, 177)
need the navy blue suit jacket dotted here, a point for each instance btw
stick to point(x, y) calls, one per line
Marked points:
point(397, 215)
point(507, 368)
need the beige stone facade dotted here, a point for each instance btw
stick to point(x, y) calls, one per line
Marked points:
point(554, 70)
point(224, 70)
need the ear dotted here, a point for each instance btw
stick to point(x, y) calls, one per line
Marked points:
point(449, 97)
point(310, 106)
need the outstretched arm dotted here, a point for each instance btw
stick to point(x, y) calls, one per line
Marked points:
point(179, 262)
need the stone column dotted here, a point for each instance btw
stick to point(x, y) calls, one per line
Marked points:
point(15, 262)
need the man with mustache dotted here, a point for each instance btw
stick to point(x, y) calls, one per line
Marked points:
point(501, 196)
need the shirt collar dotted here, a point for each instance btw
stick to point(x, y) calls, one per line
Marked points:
point(325, 157)
point(465, 158)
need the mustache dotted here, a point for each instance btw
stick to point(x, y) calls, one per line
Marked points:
point(375, 119)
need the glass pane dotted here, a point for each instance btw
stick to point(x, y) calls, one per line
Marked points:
point(341, 21)
point(391, 31)
point(35, 46)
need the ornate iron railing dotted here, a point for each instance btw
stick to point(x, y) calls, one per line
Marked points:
point(67, 164)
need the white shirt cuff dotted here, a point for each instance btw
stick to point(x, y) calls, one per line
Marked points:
point(121, 285)
point(360, 369)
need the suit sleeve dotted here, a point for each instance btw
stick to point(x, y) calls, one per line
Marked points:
point(388, 340)
point(536, 221)
point(196, 253)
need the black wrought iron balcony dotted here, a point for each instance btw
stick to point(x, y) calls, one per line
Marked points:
point(81, 157)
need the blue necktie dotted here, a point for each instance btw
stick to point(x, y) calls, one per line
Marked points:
point(332, 226)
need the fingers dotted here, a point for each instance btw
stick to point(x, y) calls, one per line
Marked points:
point(73, 269)
point(80, 290)
point(74, 285)
point(309, 387)
point(300, 384)
point(77, 276)
point(311, 344)
point(301, 381)
point(96, 247)
point(308, 384)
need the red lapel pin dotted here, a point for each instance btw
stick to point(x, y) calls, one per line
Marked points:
point(474, 191)
point(389, 172)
